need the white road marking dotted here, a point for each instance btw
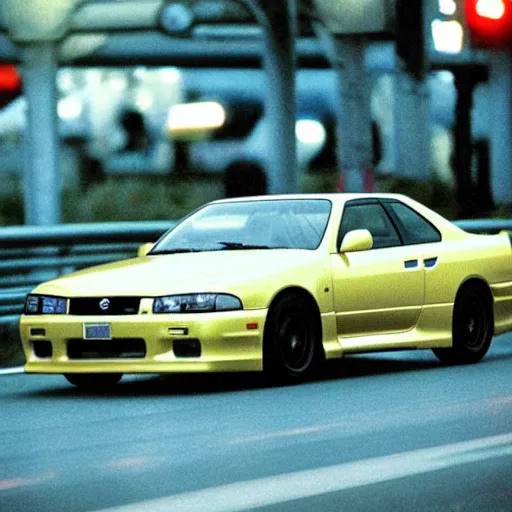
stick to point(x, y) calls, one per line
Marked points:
point(284, 433)
point(305, 484)
point(12, 371)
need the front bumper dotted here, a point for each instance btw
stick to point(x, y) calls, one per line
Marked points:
point(229, 341)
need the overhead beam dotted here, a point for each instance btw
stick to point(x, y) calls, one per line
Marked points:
point(145, 14)
point(158, 49)
point(154, 48)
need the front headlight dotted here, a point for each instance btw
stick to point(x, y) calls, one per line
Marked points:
point(196, 303)
point(44, 305)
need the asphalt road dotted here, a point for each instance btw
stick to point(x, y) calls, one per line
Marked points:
point(382, 432)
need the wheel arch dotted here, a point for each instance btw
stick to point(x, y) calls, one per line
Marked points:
point(297, 290)
point(478, 282)
point(462, 352)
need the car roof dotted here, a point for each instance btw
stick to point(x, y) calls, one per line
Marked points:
point(339, 197)
point(447, 228)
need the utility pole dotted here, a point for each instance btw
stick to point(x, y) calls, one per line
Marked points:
point(279, 20)
point(500, 119)
point(37, 27)
point(355, 152)
point(411, 101)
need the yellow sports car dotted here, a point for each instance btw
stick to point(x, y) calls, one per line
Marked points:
point(277, 283)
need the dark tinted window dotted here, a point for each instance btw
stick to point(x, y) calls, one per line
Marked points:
point(373, 218)
point(417, 230)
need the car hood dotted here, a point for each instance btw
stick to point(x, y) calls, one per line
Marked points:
point(151, 276)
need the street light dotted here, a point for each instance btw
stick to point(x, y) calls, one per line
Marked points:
point(447, 28)
point(448, 36)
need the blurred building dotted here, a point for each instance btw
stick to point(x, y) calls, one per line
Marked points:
point(92, 101)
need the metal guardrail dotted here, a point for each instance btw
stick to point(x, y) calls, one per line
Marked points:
point(30, 255)
point(490, 226)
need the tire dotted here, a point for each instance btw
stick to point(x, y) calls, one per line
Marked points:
point(291, 340)
point(93, 380)
point(472, 327)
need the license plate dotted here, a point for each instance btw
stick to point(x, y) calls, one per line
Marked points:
point(97, 332)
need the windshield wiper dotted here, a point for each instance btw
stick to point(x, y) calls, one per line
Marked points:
point(233, 246)
point(174, 251)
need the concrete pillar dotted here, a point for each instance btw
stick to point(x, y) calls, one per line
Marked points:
point(500, 119)
point(42, 173)
point(37, 26)
point(354, 127)
point(280, 68)
point(412, 127)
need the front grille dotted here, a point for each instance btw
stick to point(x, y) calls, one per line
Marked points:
point(104, 306)
point(117, 348)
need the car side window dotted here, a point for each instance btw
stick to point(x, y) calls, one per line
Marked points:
point(373, 217)
point(417, 229)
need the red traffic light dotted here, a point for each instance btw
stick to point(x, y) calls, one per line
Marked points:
point(9, 78)
point(490, 22)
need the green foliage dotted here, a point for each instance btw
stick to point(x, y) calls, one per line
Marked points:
point(11, 353)
point(11, 208)
point(170, 198)
point(123, 200)
point(138, 199)
point(318, 182)
point(432, 193)
point(503, 212)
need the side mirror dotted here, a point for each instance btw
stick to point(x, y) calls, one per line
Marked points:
point(144, 249)
point(357, 240)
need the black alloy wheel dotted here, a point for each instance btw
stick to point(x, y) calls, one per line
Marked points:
point(472, 328)
point(93, 380)
point(291, 339)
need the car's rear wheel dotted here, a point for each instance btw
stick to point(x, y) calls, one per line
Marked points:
point(472, 328)
point(291, 340)
point(93, 380)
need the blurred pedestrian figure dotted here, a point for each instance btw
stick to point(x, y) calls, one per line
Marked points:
point(141, 154)
point(137, 138)
point(89, 169)
point(245, 178)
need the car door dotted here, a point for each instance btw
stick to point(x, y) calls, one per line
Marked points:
point(380, 290)
point(419, 232)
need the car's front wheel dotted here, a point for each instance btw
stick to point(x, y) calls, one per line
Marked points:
point(291, 340)
point(472, 328)
point(93, 380)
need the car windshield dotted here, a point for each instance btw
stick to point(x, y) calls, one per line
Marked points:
point(250, 225)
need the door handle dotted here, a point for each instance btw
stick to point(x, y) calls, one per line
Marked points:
point(430, 262)
point(410, 263)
